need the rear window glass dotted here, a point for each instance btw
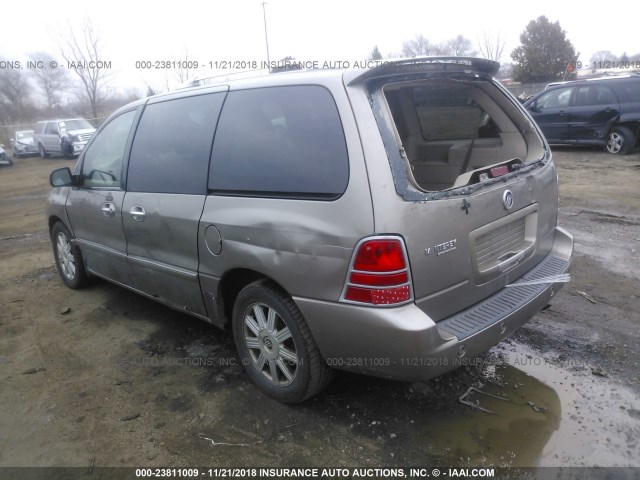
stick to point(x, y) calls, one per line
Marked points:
point(170, 152)
point(280, 141)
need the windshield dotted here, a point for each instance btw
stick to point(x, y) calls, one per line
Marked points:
point(26, 135)
point(75, 124)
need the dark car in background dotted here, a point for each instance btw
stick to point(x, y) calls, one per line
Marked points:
point(600, 111)
point(62, 137)
point(22, 144)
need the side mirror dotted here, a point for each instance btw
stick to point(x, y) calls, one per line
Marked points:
point(533, 107)
point(62, 177)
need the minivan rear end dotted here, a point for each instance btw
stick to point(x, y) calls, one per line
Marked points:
point(465, 200)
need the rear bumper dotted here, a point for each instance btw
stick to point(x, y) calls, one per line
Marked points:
point(406, 344)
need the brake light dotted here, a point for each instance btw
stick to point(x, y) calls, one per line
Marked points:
point(379, 273)
point(499, 171)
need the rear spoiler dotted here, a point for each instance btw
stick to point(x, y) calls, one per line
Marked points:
point(385, 68)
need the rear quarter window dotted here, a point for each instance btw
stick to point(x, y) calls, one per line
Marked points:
point(280, 141)
point(629, 91)
point(51, 129)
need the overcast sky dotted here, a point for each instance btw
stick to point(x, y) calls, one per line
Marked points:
point(339, 30)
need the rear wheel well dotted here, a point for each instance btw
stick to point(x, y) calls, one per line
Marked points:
point(52, 221)
point(232, 282)
point(633, 126)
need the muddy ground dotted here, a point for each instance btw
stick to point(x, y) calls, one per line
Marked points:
point(102, 377)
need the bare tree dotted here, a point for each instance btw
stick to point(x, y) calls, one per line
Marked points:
point(491, 47)
point(13, 85)
point(167, 84)
point(14, 92)
point(183, 71)
point(83, 52)
point(151, 91)
point(419, 46)
point(459, 47)
point(602, 57)
point(52, 80)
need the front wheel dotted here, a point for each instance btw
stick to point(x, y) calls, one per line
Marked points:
point(68, 258)
point(67, 150)
point(620, 141)
point(275, 344)
point(43, 152)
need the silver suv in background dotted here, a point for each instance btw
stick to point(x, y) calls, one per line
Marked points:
point(62, 137)
point(392, 221)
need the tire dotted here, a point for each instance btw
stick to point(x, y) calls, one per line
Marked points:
point(43, 152)
point(68, 258)
point(276, 346)
point(67, 151)
point(620, 141)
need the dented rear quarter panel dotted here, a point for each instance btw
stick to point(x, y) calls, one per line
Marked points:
point(303, 245)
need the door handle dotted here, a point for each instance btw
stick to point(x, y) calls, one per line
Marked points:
point(509, 260)
point(108, 209)
point(137, 213)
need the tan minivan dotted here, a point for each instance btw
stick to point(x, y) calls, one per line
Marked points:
point(392, 221)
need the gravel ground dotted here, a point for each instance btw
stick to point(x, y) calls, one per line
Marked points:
point(102, 377)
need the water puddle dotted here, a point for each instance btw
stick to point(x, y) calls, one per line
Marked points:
point(542, 414)
point(599, 420)
point(519, 408)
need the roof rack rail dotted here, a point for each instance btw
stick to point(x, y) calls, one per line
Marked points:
point(199, 82)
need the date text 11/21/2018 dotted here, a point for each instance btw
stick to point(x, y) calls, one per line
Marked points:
point(255, 64)
point(289, 64)
point(605, 65)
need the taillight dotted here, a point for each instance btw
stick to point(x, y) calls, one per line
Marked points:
point(379, 273)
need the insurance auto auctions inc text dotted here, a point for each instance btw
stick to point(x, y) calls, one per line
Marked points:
point(370, 472)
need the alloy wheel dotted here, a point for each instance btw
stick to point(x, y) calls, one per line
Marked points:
point(270, 344)
point(65, 256)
